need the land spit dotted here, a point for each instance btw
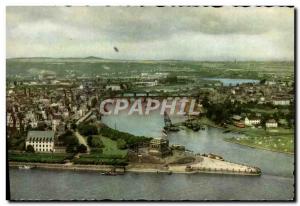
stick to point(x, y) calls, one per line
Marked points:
point(206, 165)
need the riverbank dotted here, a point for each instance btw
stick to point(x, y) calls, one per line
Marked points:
point(202, 121)
point(275, 140)
point(202, 165)
point(256, 146)
point(208, 122)
point(67, 166)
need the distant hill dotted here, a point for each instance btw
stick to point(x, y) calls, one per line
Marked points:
point(93, 57)
point(56, 58)
point(93, 66)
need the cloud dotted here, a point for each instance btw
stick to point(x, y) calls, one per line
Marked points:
point(151, 32)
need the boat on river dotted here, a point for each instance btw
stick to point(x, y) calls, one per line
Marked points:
point(112, 173)
point(213, 156)
point(164, 133)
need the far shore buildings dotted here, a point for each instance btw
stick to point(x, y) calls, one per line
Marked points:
point(113, 87)
point(252, 121)
point(281, 102)
point(41, 141)
point(271, 123)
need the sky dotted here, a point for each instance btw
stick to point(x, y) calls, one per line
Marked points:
point(151, 33)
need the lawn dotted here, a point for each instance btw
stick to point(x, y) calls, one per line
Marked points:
point(110, 155)
point(261, 131)
point(275, 139)
point(110, 147)
point(282, 143)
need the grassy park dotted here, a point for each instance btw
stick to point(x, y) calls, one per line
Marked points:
point(103, 151)
point(111, 148)
point(277, 140)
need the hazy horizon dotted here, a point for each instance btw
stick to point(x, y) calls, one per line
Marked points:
point(102, 58)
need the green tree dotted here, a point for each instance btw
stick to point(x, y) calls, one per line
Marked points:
point(96, 150)
point(205, 101)
point(94, 102)
point(30, 149)
point(121, 144)
point(89, 140)
point(87, 129)
point(71, 149)
point(82, 148)
point(130, 139)
point(171, 78)
point(73, 126)
point(263, 81)
point(70, 141)
point(94, 141)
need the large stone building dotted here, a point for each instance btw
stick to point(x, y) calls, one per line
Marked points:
point(42, 141)
point(159, 147)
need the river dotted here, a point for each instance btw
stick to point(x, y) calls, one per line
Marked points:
point(276, 182)
point(233, 82)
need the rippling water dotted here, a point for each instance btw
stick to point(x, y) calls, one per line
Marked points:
point(276, 182)
point(67, 185)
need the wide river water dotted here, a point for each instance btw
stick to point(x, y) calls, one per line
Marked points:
point(233, 82)
point(276, 182)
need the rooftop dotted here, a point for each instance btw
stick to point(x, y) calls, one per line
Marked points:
point(41, 134)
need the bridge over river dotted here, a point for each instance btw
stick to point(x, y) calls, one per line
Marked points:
point(162, 94)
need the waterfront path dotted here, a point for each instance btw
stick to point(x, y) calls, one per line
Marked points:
point(201, 165)
point(67, 166)
point(82, 140)
point(208, 164)
point(207, 167)
point(82, 119)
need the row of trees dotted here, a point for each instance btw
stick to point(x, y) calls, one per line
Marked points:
point(95, 141)
point(72, 143)
point(124, 140)
point(87, 129)
point(221, 112)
